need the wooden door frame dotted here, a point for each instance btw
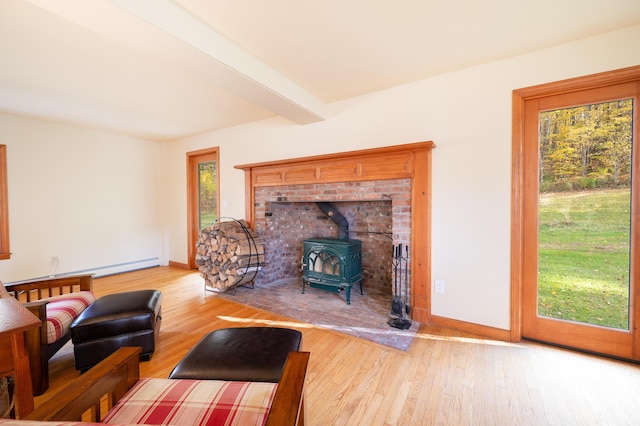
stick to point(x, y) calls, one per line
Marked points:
point(519, 97)
point(5, 252)
point(193, 228)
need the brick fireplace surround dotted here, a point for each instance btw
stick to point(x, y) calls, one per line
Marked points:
point(385, 193)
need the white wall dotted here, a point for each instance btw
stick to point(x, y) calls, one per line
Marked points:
point(467, 114)
point(90, 198)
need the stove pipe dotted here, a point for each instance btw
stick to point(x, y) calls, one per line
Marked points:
point(333, 213)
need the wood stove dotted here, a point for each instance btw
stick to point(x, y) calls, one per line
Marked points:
point(332, 264)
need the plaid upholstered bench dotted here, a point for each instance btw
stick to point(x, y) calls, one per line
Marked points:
point(252, 354)
point(56, 302)
point(193, 402)
point(156, 401)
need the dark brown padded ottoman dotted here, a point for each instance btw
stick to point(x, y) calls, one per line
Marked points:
point(130, 318)
point(248, 354)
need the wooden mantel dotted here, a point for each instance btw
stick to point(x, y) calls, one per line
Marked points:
point(409, 161)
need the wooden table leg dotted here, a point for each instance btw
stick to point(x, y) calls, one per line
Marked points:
point(23, 387)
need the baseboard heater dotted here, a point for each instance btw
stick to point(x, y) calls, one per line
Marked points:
point(118, 268)
point(102, 271)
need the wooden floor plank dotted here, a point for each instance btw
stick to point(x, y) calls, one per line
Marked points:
point(446, 377)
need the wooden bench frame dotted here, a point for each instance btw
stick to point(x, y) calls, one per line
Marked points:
point(116, 374)
point(34, 295)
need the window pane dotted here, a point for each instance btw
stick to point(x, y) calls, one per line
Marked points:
point(207, 193)
point(585, 213)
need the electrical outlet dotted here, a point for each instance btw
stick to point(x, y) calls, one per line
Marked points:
point(439, 286)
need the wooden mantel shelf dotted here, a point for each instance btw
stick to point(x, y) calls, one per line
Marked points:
point(409, 161)
point(340, 155)
point(391, 162)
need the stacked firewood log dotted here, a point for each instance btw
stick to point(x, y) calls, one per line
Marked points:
point(228, 254)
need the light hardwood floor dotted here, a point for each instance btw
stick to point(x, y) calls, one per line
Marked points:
point(446, 377)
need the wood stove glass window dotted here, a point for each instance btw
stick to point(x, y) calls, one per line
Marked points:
point(324, 262)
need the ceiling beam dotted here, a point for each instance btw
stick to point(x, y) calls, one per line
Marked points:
point(169, 33)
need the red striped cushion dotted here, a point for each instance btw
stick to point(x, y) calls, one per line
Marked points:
point(155, 401)
point(62, 310)
point(14, 422)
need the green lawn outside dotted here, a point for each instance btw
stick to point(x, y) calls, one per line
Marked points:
point(584, 256)
point(207, 219)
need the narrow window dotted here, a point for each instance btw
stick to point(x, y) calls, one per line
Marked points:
point(203, 195)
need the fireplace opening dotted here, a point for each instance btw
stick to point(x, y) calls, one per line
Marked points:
point(378, 214)
point(285, 225)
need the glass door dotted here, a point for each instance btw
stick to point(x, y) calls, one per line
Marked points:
point(580, 226)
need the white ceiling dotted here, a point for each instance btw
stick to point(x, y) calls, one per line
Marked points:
point(163, 69)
